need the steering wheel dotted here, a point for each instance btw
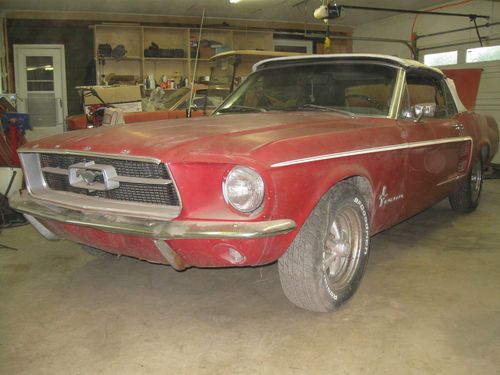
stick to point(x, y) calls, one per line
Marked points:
point(368, 98)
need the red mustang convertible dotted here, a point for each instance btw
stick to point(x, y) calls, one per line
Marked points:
point(303, 163)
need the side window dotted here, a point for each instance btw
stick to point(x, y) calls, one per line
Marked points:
point(421, 89)
point(406, 110)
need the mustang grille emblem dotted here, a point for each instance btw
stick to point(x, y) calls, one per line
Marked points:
point(88, 175)
point(92, 176)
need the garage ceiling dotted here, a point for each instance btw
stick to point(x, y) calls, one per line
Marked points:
point(282, 10)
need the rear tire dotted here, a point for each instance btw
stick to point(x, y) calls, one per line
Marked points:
point(466, 198)
point(325, 263)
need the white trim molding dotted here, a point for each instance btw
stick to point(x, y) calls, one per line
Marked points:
point(372, 150)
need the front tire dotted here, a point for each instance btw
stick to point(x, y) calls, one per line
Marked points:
point(325, 263)
point(466, 198)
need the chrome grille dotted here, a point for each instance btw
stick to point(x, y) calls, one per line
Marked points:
point(124, 167)
point(140, 182)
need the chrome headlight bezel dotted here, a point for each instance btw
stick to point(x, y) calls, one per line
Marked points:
point(251, 189)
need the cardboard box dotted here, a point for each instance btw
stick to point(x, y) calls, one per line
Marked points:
point(113, 94)
point(129, 107)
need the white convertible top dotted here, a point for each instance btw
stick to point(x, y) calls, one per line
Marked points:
point(405, 63)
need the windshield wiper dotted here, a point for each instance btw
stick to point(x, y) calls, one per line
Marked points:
point(324, 108)
point(241, 109)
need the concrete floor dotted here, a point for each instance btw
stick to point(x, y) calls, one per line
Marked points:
point(429, 304)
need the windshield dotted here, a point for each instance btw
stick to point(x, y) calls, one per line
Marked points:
point(355, 88)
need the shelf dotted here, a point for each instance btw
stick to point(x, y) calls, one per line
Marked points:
point(165, 59)
point(136, 39)
point(131, 58)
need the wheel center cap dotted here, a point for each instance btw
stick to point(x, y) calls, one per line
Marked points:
point(336, 247)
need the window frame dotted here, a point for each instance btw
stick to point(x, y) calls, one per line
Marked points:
point(405, 110)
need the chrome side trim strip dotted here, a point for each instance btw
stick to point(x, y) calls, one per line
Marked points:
point(372, 150)
point(451, 179)
point(439, 142)
point(89, 153)
point(153, 228)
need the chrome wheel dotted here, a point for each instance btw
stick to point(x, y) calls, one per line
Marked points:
point(476, 179)
point(325, 263)
point(343, 247)
point(465, 197)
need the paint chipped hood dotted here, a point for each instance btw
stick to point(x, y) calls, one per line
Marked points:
point(225, 138)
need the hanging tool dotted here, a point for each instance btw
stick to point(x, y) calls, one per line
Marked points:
point(328, 41)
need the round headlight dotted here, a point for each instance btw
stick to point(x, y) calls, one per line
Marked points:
point(243, 189)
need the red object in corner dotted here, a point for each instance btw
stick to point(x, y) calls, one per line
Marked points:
point(13, 138)
point(9, 142)
point(467, 83)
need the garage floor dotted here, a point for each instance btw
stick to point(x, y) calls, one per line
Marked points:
point(429, 304)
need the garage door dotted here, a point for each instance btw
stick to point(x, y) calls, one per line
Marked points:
point(488, 96)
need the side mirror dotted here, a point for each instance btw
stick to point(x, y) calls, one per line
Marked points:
point(424, 110)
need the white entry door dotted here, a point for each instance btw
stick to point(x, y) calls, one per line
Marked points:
point(41, 87)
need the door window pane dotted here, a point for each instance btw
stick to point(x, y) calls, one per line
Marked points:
point(40, 73)
point(425, 90)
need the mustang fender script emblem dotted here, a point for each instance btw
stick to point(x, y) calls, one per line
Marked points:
point(384, 197)
point(92, 176)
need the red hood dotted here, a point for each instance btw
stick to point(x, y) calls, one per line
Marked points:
point(204, 139)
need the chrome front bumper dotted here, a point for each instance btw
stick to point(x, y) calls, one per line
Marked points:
point(164, 230)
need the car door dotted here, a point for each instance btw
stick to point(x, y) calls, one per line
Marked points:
point(437, 150)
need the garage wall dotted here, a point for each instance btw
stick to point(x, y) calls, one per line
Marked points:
point(399, 27)
point(77, 40)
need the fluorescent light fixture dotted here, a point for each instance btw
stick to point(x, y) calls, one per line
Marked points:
point(234, 1)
